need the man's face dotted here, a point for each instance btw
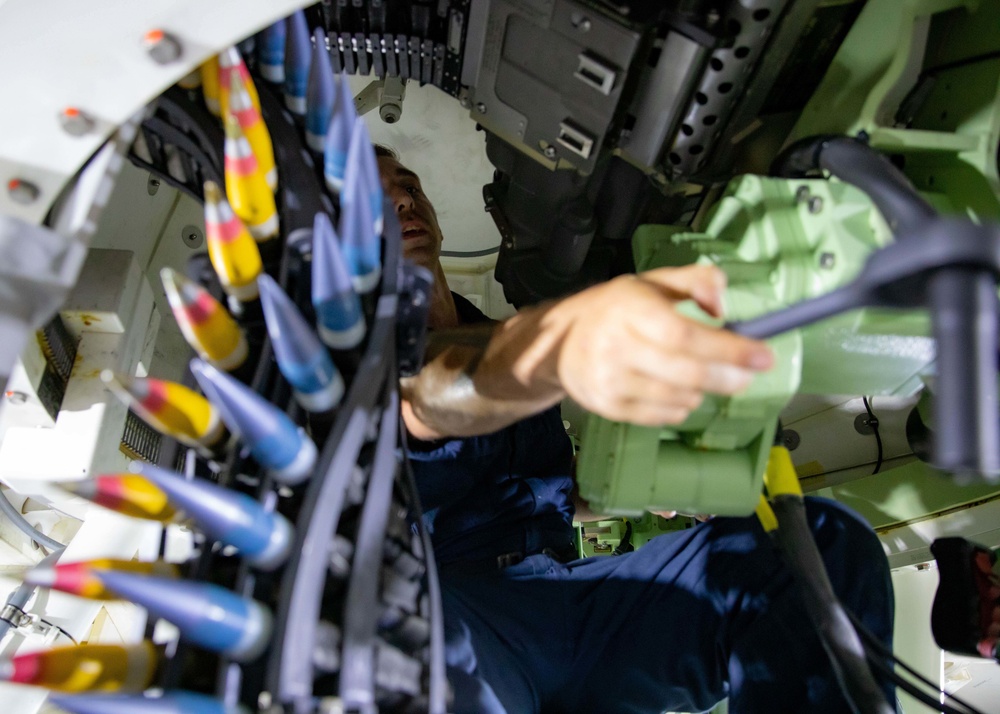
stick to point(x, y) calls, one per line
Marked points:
point(421, 232)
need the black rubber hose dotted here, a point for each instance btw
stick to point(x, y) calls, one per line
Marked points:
point(857, 163)
point(840, 640)
point(966, 436)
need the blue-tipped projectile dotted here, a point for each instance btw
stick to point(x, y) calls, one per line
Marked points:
point(361, 244)
point(271, 52)
point(338, 136)
point(174, 701)
point(263, 537)
point(301, 357)
point(319, 93)
point(274, 440)
point(362, 156)
point(298, 56)
point(207, 615)
point(339, 320)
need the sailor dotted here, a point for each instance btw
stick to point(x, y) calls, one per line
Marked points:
point(688, 619)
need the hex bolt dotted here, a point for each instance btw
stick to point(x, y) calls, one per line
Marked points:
point(827, 261)
point(23, 192)
point(162, 47)
point(75, 122)
point(481, 108)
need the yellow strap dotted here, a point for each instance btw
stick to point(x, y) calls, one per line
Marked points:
point(766, 515)
point(780, 477)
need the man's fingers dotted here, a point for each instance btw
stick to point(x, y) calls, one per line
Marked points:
point(680, 370)
point(673, 333)
point(705, 284)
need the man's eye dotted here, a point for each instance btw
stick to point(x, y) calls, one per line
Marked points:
point(412, 190)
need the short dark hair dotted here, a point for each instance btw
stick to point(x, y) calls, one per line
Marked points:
point(386, 152)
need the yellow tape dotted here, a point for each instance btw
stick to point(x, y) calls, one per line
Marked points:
point(780, 477)
point(766, 515)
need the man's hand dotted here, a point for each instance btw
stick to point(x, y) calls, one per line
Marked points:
point(627, 355)
point(619, 349)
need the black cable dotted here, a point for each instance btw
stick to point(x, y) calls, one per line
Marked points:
point(841, 643)
point(873, 423)
point(470, 253)
point(871, 642)
point(975, 59)
point(915, 692)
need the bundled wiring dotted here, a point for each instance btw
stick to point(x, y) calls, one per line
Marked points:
point(783, 516)
point(881, 657)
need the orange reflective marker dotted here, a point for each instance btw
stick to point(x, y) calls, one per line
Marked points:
point(170, 408)
point(206, 325)
point(231, 248)
point(250, 121)
point(230, 64)
point(125, 493)
point(251, 198)
point(86, 668)
point(80, 579)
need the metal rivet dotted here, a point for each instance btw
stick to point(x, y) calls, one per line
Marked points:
point(161, 46)
point(481, 108)
point(827, 260)
point(23, 192)
point(192, 236)
point(580, 21)
point(550, 152)
point(74, 122)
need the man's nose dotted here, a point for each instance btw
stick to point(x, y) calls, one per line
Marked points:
point(402, 199)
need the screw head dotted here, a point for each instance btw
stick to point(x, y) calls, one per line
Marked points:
point(23, 192)
point(814, 204)
point(550, 152)
point(192, 236)
point(162, 47)
point(75, 122)
point(827, 261)
point(481, 108)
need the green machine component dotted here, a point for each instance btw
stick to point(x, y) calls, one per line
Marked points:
point(605, 537)
point(779, 242)
point(929, 99)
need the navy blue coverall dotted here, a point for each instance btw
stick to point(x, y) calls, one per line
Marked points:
point(688, 619)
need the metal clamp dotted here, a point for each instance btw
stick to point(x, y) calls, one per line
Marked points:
point(28, 623)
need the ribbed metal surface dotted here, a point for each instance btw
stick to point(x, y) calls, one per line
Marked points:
point(139, 439)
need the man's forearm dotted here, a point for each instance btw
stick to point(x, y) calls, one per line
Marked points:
point(619, 349)
point(479, 379)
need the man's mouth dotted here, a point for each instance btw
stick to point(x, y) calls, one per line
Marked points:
point(413, 230)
